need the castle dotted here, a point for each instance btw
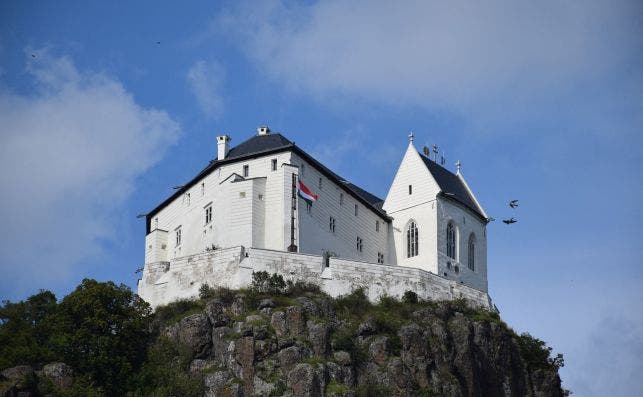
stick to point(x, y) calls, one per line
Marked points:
point(266, 204)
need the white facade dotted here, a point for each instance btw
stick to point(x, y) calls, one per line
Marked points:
point(246, 200)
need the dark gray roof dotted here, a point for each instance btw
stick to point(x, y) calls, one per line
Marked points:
point(272, 143)
point(452, 186)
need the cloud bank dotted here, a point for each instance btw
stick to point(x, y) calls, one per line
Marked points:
point(70, 152)
point(464, 55)
point(205, 80)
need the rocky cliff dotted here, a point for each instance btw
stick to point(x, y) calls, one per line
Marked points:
point(267, 342)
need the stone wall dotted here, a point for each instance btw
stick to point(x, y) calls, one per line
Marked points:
point(181, 278)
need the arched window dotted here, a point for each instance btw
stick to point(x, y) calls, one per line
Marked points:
point(412, 240)
point(472, 252)
point(451, 240)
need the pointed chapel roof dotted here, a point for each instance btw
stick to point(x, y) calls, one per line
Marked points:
point(452, 186)
point(260, 145)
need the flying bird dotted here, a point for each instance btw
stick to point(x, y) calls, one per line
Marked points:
point(509, 221)
point(158, 42)
point(33, 55)
point(513, 203)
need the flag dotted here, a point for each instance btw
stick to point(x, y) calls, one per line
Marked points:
point(305, 193)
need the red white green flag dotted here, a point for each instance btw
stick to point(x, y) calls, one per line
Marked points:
point(305, 193)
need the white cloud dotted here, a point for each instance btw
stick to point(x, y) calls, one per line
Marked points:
point(69, 155)
point(464, 55)
point(206, 80)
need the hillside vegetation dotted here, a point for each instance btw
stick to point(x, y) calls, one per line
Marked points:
point(273, 339)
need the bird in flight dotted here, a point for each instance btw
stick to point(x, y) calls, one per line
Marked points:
point(158, 42)
point(509, 221)
point(513, 203)
point(33, 55)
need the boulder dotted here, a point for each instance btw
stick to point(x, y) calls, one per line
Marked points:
point(278, 323)
point(310, 307)
point(303, 381)
point(342, 358)
point(266, 304)
point(378, 350)
point(217, 384)
point(215, 310)
point(319, 338)
point(289, 357)
point(295, 321)
point(60, 374)
point(193, 332)
point(238, 306)
point(367, 328)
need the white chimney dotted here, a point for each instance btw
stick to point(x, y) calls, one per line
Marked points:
point(263, 130)
point(222, 146)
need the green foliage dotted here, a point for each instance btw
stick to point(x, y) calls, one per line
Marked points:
point(354, 304)
point(103, 332)
point(372, 390)
point(537, 355)
point(338, 389)
point(173, 312)
point(25, 330)
point(206, 292)
point(165, 373)
point(410, 297)
point(264, 282)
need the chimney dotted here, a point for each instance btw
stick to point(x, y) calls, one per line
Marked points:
point(222, 146)
point(263, 130)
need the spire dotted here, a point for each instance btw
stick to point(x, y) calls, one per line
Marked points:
point(411, 137)
point(458, 164)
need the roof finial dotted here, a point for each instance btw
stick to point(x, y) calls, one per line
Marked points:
point(435, 153)
point(458, 164)
point(411, 137)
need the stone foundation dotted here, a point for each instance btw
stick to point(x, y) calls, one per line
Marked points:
point(181, 278)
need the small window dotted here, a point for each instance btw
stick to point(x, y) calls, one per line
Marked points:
point(359, 244)
point(320, 183)
point(380, 258)
point(471, 264)
point(412, 240)
point(356, 210)
point(274, 164)
point(377, 226)
point(451, 247)
point(178, 236)
point(341, 199)
point(156, 223)
point(410, 189)
point(246, 170)
point(261, 197)
point(203, 189)
point(242, 194)
point(331, 225)
point(208, 214)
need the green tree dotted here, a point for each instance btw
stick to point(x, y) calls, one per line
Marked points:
point(103, 331)
point(25, 330)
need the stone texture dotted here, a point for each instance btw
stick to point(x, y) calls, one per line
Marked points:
point(266, 304)
point(295, 321)
point(193, 332)
point(278, 323)
point(319, 337)
point(288, 357)
point(303, 381)
point(214, 309)
point(60, 374)
point(378, 349)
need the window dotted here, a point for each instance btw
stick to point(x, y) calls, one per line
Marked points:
point(412, 240)
point(377, 226)
point(359, 244)
point(274, 164)
point(156, 223)
point(471, 264)
point(320, 183)
point(208, 214)
point(341, 199)
point(242, 194)
point(303, 170)
point(331, 224)
point(177, 232)
point(380, 258)
point(260, 197)
point(451, 240)
point(246, 170)
point(410, 189)
point(355, 209)
point(202, 188)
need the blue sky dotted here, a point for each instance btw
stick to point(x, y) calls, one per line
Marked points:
point(541, 101)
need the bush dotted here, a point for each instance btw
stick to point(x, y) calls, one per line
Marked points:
point(206, 292)
point(173, 312)
point(354, 304)
point(263, 282)
point(410, 297)
point(537, 355)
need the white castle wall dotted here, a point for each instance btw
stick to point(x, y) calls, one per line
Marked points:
point(181, 278)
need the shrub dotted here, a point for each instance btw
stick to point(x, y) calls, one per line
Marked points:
point(263, 282)
point(173, 312)
point(356, 303)
point(410, 297)
point(206, 292)
point(537, 355)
